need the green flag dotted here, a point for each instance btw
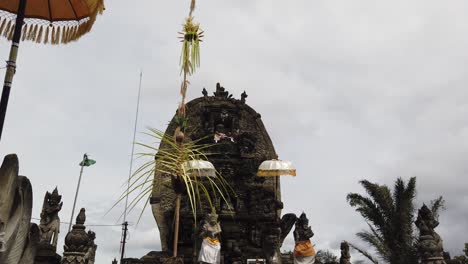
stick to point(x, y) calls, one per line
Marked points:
point(87, 162)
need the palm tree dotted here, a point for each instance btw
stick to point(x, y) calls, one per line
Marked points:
point(463, 259)
point(390, 219)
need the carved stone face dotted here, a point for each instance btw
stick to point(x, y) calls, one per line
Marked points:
point(224, 115)
point(52, 203)
point(213, 219)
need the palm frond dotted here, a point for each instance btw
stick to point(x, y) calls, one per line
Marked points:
point(375, 241)
point(368, 209)
point(364, 253)
point(168, 159)
point(382, 197)
point(436, 206)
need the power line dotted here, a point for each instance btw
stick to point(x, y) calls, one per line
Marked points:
point(67, 223)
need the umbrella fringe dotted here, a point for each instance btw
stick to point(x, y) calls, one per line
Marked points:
point(2, 25)
point(70, 34)
point(30, 32)
point(46, 37)
point(34, 34)
point(39, 35)
point(24, 31)
point(12, 31)
point(64, 34)
point(71, 31)
point(57, 37)
point(7, 29)
point(52, 36)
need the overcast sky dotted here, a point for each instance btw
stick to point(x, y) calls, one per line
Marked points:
point(348, 90)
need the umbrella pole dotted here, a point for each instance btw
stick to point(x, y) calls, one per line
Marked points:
point(11, 63)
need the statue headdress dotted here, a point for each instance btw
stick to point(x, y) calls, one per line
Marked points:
point(55, 196)
point(303, 219)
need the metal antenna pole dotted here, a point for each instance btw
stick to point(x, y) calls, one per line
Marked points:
point(76, 194)
point(133, 148)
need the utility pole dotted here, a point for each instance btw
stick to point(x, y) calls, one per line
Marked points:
point(124, 240)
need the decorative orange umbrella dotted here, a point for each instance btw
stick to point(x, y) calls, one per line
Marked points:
point(42, 21)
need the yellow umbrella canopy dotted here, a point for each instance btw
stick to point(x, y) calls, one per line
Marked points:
point(273, 168)
point(54, 21)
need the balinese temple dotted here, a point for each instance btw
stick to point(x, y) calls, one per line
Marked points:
point(251, 223)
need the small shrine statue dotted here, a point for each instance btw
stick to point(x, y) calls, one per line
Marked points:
point(49, 226)
point(210, 251)
point(304, 252)
point(221, 133)
point(345, 256)
point(91, 253)
point(430, 246)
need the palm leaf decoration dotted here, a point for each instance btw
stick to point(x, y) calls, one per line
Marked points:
point(172, 160)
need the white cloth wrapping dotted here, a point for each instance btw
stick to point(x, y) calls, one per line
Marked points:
point(304, 260)
point(210, 253)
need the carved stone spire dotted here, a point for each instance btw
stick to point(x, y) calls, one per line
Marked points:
point(221, 92)
point(78, 242)
point(81, 217)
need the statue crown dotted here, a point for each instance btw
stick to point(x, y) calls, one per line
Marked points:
point(303, 218)
point(55, 196)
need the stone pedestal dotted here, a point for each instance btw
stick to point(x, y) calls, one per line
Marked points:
point(78, 243)
point(46, 254)
point(74, 258)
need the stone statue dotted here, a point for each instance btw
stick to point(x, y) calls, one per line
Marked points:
point(304, 252)
point(210, 251)
point(91, 253)
point(430, 247)
point(272, 243)
point(18, 237)
point(79, 246)
point(345, 256)
point(243, 97)
point(50, 222)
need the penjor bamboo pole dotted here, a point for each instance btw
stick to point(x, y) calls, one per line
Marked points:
point(11, 63)
point(176, 229)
